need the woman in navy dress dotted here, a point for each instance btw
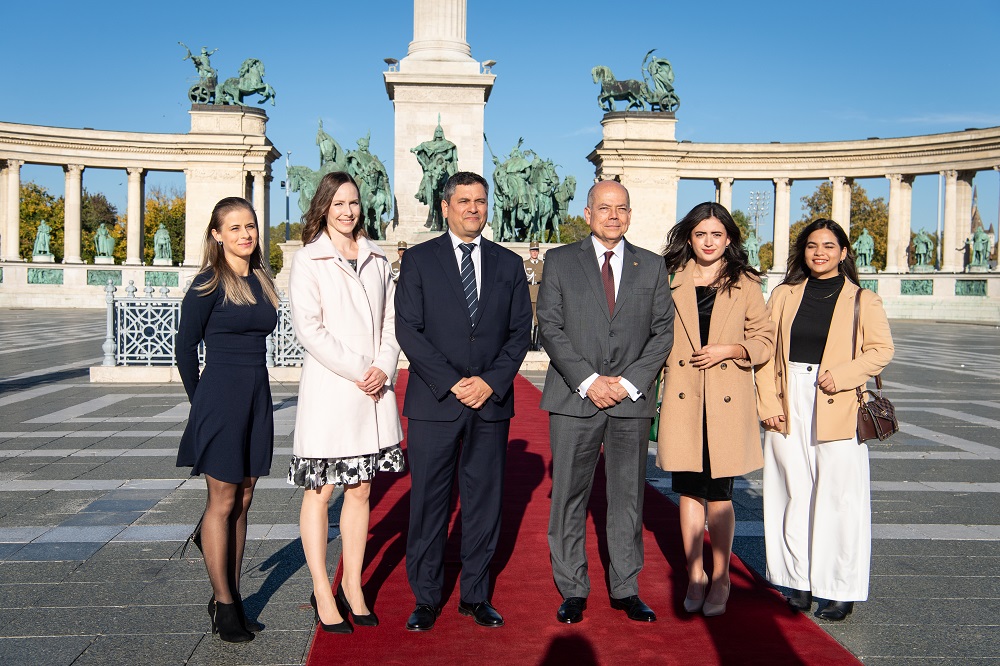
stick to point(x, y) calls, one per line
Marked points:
point(232, 306)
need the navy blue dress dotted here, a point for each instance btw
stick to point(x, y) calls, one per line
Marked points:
point(230, 430)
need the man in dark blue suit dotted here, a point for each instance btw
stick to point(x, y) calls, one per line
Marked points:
point(463, 319)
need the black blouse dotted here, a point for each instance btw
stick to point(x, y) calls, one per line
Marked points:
point(811, 325)
point(233, 334)
point(706, 301)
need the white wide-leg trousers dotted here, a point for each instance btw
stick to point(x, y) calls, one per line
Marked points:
point(817, 502)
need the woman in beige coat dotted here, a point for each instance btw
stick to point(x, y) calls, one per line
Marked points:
point(347, 426)
point(817, 497)
point(708, 430)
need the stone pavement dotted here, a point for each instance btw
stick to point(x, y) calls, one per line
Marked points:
point(93, 512)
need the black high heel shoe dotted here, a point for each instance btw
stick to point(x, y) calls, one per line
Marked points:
point(342, 627)
point(800, 600)
point(370, 620)
point(226, 623)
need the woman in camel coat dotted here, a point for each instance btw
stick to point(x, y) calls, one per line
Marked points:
point(709, 432)
point(817, 496)
point(346, 426)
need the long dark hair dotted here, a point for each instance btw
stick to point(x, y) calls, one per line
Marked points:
point(214, 260)
point(678, 252)
point(797, 270)
point(315, 217)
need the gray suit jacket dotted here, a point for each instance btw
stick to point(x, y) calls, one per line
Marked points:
point(581, 337)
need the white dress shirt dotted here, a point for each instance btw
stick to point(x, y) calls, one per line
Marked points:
point(617, 260)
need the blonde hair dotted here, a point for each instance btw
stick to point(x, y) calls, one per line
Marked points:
point(220, 272)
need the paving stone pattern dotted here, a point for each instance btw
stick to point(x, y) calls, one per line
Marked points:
point(93, 512)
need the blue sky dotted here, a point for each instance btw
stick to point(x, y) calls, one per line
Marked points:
point(745, 71)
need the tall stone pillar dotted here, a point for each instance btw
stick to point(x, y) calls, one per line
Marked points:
point(260, 206)
point(724, 193)
point(437, 76)
point(782, 221)
point(12, 214)
point(74, 202)
point(3, 206)
point(134, 217)
point(951, 258)
point(898, 237)
point(840, 211)
point(963, 213)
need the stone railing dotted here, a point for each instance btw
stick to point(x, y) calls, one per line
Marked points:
point(142, 331)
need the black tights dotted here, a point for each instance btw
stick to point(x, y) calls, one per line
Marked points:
point(224, 534)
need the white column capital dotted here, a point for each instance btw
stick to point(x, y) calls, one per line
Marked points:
point(895, 178)
point(74, 169)
point(838, 180)
point(15, 164)
point(725, 181)
point(134, 172)
point(782, 181)
point(949, 174)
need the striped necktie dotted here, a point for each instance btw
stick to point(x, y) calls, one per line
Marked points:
point(469, 279)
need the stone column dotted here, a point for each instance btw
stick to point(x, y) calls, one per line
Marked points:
point(134, 245)
point(906, 216)
point(260, 207)
point(894, 235)
point(74, 194)
point(782, 222)
point(653, 198)
point(12, 215)
point(963, 213)
point(3, 206)
point(951, 258)
point(724, 193)
point(438, 76)
point(840, 210)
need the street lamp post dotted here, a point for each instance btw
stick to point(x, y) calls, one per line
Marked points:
point(760, 202)
point(287, 183)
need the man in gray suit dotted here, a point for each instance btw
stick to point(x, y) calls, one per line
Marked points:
point(606, 321)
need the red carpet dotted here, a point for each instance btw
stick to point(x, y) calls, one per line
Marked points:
point(757, 628)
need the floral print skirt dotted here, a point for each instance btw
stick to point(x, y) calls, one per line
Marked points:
point(313, 473)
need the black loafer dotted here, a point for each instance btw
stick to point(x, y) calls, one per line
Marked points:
point(835, 611)
point(571, 610)
point(422, 618)
point(800, 600)
point(483, 612)
point(634, 608)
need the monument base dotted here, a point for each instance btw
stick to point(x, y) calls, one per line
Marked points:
point(866, 269)
point(42, 258)
point(105, 261)
point(921, 268)
point(977, 269)
point(163, 262)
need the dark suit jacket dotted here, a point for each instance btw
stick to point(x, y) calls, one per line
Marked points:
point(581, 337)
point(442, 345)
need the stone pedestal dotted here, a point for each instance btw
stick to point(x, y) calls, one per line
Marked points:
point(105, 261)
point(921, 269)
point(623, 155)
point(866, 269)
point(438, 76)
point(162, 262)
point(288, 251)
point(42, 258)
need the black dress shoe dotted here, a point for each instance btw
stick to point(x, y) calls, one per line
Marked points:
point(422, 618)
point(835, 610)
point(800, 600)
point(485, 614)
point(571, 610)
point(634, 608)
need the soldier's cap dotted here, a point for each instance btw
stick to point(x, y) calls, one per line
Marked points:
point(533, 245)
point(401, 245)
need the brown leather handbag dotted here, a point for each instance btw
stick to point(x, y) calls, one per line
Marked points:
point(876, 415)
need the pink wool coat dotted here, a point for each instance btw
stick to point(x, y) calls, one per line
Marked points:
point(725, 391)
point(346, 322)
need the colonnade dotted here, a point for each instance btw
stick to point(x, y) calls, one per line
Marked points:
point(640, 150)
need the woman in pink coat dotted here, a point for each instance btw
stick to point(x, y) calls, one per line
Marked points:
point(347, 426)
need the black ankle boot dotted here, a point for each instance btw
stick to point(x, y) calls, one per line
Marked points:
point(835, 610)
point(226, 623)
point(248, 624)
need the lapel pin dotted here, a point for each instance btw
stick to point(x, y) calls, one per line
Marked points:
point(635, 263)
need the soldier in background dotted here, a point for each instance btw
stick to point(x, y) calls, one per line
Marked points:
point(533, 271)
point(400, 249)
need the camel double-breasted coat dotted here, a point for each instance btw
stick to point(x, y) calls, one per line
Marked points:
point(724, 391)
point(837, 414)
point(345, 320)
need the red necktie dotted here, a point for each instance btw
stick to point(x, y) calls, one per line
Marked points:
point(608, 278)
